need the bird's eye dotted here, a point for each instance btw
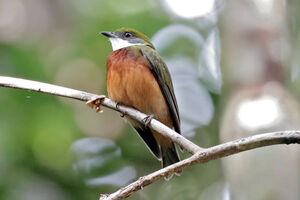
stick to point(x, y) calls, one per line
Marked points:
point(128, 35)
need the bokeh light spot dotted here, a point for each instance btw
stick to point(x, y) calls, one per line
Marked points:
point(190, 8)
point(259, 113)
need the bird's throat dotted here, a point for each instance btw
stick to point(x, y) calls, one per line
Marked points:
point(118, 43)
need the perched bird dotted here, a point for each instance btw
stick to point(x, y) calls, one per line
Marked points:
point(138, 77)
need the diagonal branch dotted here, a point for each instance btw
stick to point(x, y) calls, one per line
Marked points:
point(206, 155)
point(200, 155)
point(85, 96)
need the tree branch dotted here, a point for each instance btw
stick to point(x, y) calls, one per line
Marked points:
point(85, 96)
point(206, 155)
point(200, 155)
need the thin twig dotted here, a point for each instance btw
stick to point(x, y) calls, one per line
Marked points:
point(206, 155)
point(85, 96)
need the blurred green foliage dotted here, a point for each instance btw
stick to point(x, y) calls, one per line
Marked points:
point(37, 130)
point(59, 42)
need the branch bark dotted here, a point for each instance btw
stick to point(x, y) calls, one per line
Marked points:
point(85, 96)
point(200, 155)
point(206, 155)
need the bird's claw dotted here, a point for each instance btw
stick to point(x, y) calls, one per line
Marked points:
point(148, 119)
point(96, 102)
point(118, 107)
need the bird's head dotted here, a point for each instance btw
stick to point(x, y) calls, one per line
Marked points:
point(125, 37)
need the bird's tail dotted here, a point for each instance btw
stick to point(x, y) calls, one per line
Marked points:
point(169, 156)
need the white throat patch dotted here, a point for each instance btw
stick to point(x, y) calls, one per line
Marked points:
point(118, 43)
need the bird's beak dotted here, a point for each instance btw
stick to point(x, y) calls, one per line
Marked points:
point(109, 34)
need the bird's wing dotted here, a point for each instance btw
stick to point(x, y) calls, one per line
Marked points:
point(162, 75)
point(147, 136)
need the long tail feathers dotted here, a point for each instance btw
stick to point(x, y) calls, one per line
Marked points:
point(169, 157)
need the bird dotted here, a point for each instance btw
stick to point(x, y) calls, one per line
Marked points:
point(138, 77)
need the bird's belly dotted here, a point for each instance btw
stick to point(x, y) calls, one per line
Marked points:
point(135, 86)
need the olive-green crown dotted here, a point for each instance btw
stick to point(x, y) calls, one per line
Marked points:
point(136, 34)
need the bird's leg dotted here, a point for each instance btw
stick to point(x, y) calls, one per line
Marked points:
point(118, 107)
point(148, 119)
point(96, 102)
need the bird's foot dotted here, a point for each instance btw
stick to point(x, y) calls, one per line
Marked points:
point(118, 107)
point(148, 119)
point(96, 102)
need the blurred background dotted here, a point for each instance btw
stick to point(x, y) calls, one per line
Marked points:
point(235, 69)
